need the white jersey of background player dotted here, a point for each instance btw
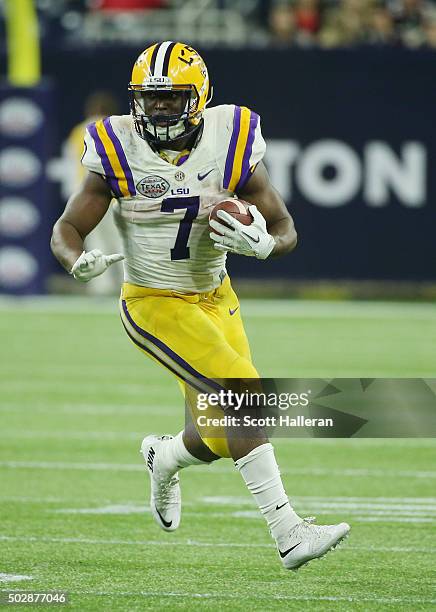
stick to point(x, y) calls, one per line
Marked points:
point(167, 165)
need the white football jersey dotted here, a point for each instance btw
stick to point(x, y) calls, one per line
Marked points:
point(162, 209)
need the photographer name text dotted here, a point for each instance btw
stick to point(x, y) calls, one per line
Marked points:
point(269, 421)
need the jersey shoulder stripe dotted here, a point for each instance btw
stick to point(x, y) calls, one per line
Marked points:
point(121, 157)
point(113, 158)
point(108, 170)
point(237, 167)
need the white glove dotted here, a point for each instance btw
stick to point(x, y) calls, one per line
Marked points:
point(92, 264)
point(251, 240)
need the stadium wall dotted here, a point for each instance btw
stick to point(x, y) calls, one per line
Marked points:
point(351, 140)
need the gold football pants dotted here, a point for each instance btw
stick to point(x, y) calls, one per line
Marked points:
point(198, 337)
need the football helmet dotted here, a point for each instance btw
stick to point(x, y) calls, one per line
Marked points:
point(174, 70)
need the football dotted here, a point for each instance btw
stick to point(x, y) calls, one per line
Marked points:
point(236, 208)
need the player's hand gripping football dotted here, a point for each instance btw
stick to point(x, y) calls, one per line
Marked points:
point(93, 263)
point(251, 240)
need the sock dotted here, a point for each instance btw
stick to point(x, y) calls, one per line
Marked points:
point(174, 456)
point(261, 474)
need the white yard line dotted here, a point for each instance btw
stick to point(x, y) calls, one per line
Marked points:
point(13, 577)
point(358, 515)
point(362, 509)
point(122, 508)
point(233, 501)
point(164, 410)
point(356, 510)
point(229, 500)
point(362, 513)
point(171, 410)
point(201, 544)
point(372, 517)
point(116, 542)
point(131, 467)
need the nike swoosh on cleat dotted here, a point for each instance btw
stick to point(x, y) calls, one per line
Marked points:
point(251, 238)
point(278, 507)
point(203, 176)
point(283, 554)
point(166, 523)
point(232, 311)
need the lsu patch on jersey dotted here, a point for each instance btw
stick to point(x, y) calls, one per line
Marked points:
point(162, 209)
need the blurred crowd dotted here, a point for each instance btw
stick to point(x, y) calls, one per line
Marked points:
point(280, 23)
point(345, 23)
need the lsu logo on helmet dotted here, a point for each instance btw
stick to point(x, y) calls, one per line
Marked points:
point(175, 68)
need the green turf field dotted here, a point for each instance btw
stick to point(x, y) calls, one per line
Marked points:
point(76, 400)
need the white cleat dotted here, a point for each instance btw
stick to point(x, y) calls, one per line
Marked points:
point(307, 541)
point(165, 500)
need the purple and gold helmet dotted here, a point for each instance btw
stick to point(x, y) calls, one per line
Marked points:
point(178, 68)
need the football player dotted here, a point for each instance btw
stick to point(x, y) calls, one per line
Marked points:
point(166, 165)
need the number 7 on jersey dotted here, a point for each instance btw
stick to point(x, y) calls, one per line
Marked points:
point(192, 204)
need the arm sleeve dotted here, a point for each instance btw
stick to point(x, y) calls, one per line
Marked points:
point(90, 158)
point(97, 157)
point(241, 145)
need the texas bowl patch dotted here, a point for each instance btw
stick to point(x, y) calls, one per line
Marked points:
point(153, 186)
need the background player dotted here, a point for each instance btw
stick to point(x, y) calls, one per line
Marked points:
point(98, 105)
point(167, 168)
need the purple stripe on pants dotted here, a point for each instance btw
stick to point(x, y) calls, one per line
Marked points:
point(166, 349)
